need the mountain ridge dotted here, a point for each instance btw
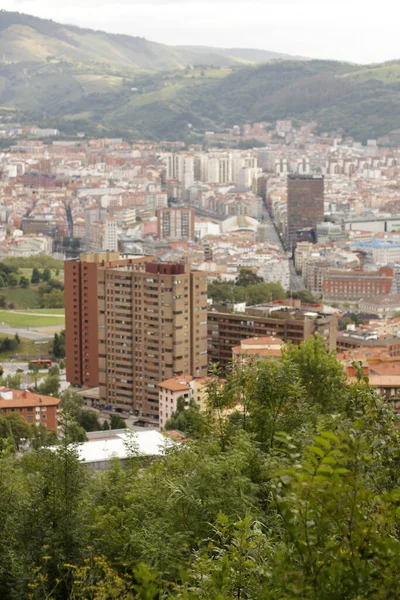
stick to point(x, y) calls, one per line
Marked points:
point(112, 84)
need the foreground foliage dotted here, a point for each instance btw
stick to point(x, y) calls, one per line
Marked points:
point(295, 495)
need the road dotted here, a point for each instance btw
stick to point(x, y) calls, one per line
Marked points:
point(29, 334)
point(296, 282)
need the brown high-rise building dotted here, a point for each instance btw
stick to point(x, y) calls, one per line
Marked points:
point(176, 223)
point(305, 205)
point(151, 325)
point(81, 314)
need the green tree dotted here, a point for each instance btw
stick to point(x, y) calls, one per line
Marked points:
point(247, 277)
point(50, 386)
point(24, 282)
point(53, 299)
point(13, 280)
point(117, 422)
point(35, 277)
point(46, 276)
point(12, 381)
point(59, 345)
point(320, 374)
point(89, 421)
point(2, 282)
point(19, 428)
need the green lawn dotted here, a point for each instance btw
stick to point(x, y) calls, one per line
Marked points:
point(27, 348)
point(26, 320)
point(21, 297)
point(45, 311)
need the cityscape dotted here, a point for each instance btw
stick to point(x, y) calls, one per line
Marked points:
point(199, 331)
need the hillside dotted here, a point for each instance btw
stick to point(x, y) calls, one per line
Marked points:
point(245, 55)
point(103, 84)
point(24, 38)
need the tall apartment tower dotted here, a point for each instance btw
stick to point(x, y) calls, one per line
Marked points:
point(81, 314)
point(176, 223)
point(131, 323)
point(305, 204)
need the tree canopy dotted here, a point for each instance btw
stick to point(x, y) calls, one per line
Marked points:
point(287, 488)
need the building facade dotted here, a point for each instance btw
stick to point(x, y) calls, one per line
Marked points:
point(152, 327)
point(305, 204)
point(227, 329)
point(34, 408)
point(175, 224)
point(341, 284)
point(81, 314)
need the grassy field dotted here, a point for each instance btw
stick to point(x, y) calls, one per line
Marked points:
point(28, 320)
point(22, 298)
point(46, 311)
point(26, 348)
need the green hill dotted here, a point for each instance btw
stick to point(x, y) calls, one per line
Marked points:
point(105, 84)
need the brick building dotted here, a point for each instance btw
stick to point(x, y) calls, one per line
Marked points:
point(34, 408)
point(305, 205)
point(81, 314)
point(227, 329)
point(341, 284)
point(131, 323)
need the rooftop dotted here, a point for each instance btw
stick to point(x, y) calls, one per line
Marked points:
point(20, 399)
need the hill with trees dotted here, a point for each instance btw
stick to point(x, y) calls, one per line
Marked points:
point(107, 84)
point(294, 495)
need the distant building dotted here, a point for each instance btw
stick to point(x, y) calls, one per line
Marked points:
point(169, 393)
point(34, 408)
point(175, 224)
point(383, 306)
point(227, 329)
point(352, 285)
point(305, 204)
point(260, 347)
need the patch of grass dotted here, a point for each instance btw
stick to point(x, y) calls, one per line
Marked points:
point(27, 348)
point(387, 73)
point(46, 311)
point(22, 298)
point(28, 320)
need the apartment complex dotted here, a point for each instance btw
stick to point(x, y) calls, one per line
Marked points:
point(81, 313)
point(305, 204)
point(175, 223)
point(34, 408)
point(341, 284)
point(152, 327)
point(132, 323)
point(226, 329)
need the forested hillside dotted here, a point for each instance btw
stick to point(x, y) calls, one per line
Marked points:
point(295, 495)
point(104, 84)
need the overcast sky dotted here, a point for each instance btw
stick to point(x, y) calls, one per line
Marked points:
point(353, 30)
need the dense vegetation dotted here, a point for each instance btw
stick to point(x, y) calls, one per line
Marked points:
point(295, 495)
point(247, 287)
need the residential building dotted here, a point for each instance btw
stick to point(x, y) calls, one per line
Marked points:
point(34, 408)
point(175, 223)
point(259, 347)
point(169, 393)
point(305, 204)
point(81, 314)
point(227, 329)
point(152, 324)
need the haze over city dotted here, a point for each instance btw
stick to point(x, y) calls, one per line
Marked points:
point(350, 31)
